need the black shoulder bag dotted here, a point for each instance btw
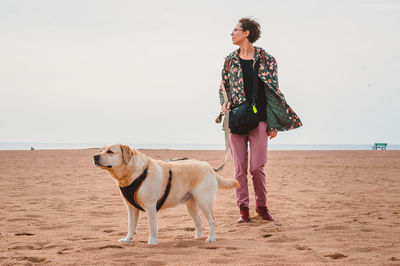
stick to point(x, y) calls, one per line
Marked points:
point(244, 118)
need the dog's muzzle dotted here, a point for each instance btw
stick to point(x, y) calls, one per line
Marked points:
point(96, 160)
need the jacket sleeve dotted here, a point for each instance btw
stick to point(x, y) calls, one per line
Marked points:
point(279, 114)
point(225, 82)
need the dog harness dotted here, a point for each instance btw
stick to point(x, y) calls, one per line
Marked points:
point(130, 191)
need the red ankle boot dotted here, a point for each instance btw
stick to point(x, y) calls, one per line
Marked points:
point(263, 212)
point(244, 215)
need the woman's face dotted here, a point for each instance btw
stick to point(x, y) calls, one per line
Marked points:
point(238, 35)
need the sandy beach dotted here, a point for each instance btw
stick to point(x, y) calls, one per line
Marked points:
point(331, 207)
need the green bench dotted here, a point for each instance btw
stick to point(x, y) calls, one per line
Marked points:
point(381, 146)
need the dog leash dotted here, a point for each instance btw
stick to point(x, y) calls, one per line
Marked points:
point(226, 127)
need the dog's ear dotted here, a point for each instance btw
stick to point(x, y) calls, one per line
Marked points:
point(126, 153)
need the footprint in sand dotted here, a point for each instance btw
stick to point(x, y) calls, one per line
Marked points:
point(24, 234)
point(26, 248)
point(209, 247)
point(103, 247)
point(267, 235)
point(80, 238)
point(64, 251)
point(336, 256)
point(302, 248)
point(35, 259)
point(188, 229)
point(51, 246)
point(111, 246)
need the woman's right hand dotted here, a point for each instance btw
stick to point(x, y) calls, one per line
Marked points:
point(226, 106)
point(272, 134)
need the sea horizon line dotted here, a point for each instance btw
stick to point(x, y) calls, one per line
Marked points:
point(182, 146)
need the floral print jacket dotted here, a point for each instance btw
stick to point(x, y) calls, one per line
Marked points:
point(279, 114)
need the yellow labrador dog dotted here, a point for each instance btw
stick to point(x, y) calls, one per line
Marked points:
point(147, 184)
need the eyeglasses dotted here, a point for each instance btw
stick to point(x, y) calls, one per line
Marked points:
point(235, 30)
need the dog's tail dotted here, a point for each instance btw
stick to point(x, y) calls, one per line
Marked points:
point(226, 183)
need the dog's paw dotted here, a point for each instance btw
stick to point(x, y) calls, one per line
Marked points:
point(210, 239)
point(152, 242)
point(198, 234)
point(125, 240)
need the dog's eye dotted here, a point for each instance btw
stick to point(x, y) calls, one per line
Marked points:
point(109, 151)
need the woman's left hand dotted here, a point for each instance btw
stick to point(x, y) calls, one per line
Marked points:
point(272, 134)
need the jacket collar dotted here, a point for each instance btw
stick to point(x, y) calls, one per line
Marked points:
point(235, 55)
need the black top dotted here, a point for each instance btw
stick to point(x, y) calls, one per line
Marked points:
point(248, 79)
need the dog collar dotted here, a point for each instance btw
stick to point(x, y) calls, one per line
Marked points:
point(129, 192)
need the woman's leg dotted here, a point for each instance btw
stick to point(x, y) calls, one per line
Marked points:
point(238, 147)
point(258, 139)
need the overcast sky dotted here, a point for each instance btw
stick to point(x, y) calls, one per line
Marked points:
point(149, 71)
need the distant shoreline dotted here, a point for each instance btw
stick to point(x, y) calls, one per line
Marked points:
point(284, 147)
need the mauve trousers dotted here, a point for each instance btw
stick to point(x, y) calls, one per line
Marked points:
point(258, 141)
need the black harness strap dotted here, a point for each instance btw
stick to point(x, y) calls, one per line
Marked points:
point(167, 189)
point(130, 191)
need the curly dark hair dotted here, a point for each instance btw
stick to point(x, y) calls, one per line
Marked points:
point(252, 26)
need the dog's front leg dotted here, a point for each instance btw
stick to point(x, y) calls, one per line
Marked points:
point(153, 226)
point(133, 216)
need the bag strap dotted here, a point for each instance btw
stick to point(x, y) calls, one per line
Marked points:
point(255, 82)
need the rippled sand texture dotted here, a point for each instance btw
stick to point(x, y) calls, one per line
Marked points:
point(339, 207)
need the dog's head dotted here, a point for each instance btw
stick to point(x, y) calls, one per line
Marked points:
point(113, 156)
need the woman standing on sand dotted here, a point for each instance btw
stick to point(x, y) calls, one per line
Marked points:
point(238, 75)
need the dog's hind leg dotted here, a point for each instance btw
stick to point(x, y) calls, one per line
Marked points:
point(206, 207)
point(133, 215)
point(192, 209)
